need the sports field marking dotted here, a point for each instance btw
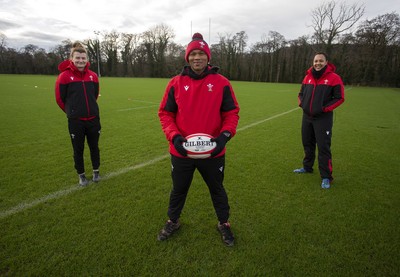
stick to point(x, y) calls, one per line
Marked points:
point(26, 205)
point(137, 108)
point(143, 101)
point(154, 104)
point(264, 120)
point(23, 206)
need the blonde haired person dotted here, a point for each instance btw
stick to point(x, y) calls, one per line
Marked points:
point(76, 91)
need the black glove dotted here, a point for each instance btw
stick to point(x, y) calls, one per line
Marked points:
point(221, 141)
point(177, 141)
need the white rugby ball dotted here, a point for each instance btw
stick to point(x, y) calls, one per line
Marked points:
point(199, 146)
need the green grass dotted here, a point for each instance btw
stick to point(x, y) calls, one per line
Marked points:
point(285, 224)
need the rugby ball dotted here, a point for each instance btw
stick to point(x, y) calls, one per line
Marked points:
point(199, 146)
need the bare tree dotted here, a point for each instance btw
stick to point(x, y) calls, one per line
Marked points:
point(3, 39)
point(110, 47)
point(129, 45)
point(156, 40)
point(229, 53)
point(3, 48)
point(276, 42)
point(267, 64)
point(378, 45)
point(94, 52)
point(368, 55)
point(381, 30)
point(174, 57)
point(63, 50)
point(331, 19)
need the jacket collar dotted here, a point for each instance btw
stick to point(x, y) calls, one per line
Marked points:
point(187, 71)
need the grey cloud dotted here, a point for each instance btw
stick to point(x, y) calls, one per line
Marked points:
point(38, 36)
point(5, 25)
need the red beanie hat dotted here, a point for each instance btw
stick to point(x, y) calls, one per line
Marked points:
point(197, 43)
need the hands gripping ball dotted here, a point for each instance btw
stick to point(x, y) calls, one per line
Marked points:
point(199, 146)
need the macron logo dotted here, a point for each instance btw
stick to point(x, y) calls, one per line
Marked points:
point(72, 78)
point(186, 88)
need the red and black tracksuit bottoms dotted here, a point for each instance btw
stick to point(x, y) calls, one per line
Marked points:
point(317, 131)
point(79, 130)
point(212, 171)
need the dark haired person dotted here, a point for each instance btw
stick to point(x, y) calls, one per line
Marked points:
point(76, 91)
point(199, 100)
point(321, 92)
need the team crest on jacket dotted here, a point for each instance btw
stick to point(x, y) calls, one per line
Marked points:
point(210, 86)
point(326, 81)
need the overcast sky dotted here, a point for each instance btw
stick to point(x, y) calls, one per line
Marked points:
point(46, 23)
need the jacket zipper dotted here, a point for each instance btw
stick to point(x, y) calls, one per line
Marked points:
point(312, 96)
point(86, 98)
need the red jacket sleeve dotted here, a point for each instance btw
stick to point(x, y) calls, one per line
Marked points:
point(167, 113)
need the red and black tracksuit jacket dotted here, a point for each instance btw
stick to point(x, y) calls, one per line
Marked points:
point(77, 92)
point(202, 103)
point(318, 98)
point(322, 95)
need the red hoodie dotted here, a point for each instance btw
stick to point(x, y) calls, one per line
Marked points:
point(198, 104)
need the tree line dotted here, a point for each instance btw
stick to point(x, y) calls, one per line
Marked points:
point(367, 56)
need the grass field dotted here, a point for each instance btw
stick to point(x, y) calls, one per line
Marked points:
point(285, 224)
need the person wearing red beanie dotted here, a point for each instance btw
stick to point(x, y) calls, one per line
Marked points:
point(197, 43)
point(199, 100)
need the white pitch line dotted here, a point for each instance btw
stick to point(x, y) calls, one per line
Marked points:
point(143, 101)
point(26, 205)
point(267, 119)
point(131, 168)
point(137, 108)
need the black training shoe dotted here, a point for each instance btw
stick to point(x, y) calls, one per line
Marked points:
point(227, 235)
point(83, 182)
point(169, 228)
point(302, 170)
point(96, 176)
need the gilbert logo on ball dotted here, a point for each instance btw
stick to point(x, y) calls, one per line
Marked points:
point(199, 146)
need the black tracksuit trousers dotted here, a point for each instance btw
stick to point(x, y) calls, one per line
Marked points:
point(318, 131)
point(78, 130)
point(212, 171)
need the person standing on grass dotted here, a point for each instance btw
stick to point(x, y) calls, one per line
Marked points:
point(321, 92)
point(199, 100)
point(76, 91)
